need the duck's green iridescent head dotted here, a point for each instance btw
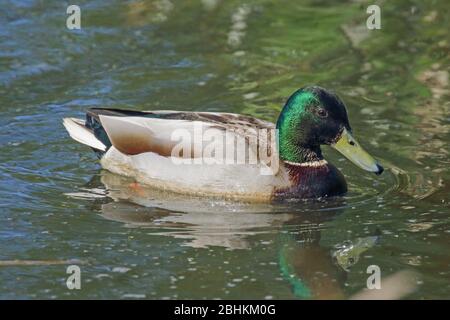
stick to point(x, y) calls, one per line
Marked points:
point(313, 116)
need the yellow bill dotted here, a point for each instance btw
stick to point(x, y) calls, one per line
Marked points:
point(350, 148)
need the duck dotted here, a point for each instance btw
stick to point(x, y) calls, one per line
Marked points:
point(228, 155)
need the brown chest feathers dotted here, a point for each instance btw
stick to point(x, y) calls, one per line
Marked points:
point(312, 180)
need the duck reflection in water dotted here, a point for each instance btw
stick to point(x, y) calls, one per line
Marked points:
point(313, 271)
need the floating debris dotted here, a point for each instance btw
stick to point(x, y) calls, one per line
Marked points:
point(19, 263)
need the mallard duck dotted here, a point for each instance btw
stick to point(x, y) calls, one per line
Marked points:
point(160, 149)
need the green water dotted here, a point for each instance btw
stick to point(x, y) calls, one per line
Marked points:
point(57, 207)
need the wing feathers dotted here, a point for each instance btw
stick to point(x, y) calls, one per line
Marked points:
point(133, 135)
point(162, 132)
point(80, 133)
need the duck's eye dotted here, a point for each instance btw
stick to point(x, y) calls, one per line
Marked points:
point(322, 113)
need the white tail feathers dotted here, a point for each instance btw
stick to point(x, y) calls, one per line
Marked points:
point(80, 133)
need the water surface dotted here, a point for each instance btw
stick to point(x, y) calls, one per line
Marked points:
point(57, 207)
